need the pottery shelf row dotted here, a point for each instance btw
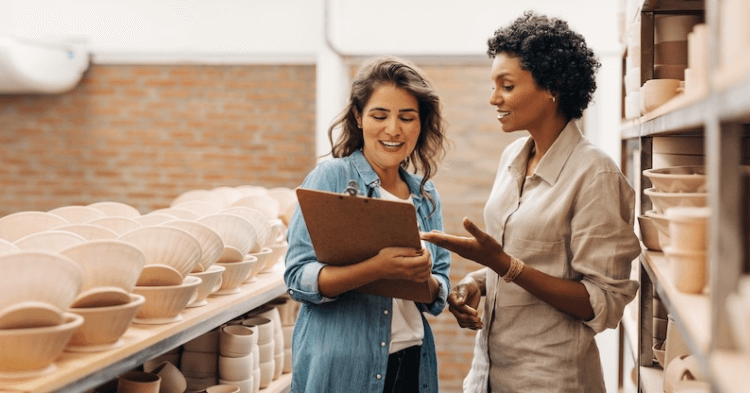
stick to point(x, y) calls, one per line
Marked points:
point(718, 114)
point(78, 372)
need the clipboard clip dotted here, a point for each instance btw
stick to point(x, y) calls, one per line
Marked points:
point(352, 189)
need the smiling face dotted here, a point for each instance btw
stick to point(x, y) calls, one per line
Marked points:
point(521, 103)
point(390, 125)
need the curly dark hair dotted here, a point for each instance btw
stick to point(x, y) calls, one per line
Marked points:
point(557, 57)
point(395, 71)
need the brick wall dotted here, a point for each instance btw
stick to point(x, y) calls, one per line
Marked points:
point(144, 134)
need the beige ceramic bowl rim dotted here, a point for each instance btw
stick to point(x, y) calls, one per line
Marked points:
point(263, 251)
point(135, 300)
point(70, 321)
point(662, 173)
point(652, 191)
point(687, 213)
point(238, 263)
point(188, 281)
point(669, 250)
point(212, 270)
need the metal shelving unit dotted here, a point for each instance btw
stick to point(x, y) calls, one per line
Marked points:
point(719, 115)
point(78, 372)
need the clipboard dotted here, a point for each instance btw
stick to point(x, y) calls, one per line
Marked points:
point(348, 228)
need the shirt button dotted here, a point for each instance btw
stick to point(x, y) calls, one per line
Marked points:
point(385, 312)
point(424, 386)
point(378, 376)
point(382, 344)
point(291, 292)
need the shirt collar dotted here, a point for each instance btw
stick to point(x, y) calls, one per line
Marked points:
point(554, 159)
point(370, 178)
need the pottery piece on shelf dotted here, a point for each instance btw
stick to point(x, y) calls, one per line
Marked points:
point(656, 92)
point(664, 200)
point(234, 230)
point(182, 214)
point(117, 224)
point(259, 221)
point(159, 275)
point(199, 364)
point(89, 231)
point(164, 303)
point(52, 240)
point(153, 219)
point(168, 246)
point(230, 254)
point(211, 282)
point(200, 208)
point(234, 274)
point(235, 368)
point(30, 314)
point(688, 178)
point(236, 340)
point(649, 233)
point(77, 214)
point(206, 342)
point(107, 263)
point(688, 227)
point(17, 225)
point(262, 203)
point(172, 380)
point(116, 209)
point(212, 245)
point(104, 326)
point(101, 297)
point(138, 382)
point(689, 269)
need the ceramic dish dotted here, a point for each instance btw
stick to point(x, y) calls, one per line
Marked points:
point(234, 274)
point(7, 247)
point(164, 304)
point(116, 209)
point(103, 327)
point(168, 246)
point(212, 246)
point(108, 263)
point(52, 240)
point(260, 224)
point(89, 231)
point(182, 214)
point(688, 227)
point(690, 178)
point(17, 225)
point(234, 230)
point(117, 224)
point(200, 208)
point(260, 202)
point(77, 214)
point(664, 200)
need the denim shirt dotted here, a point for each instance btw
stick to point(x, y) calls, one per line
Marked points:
point(341, 344)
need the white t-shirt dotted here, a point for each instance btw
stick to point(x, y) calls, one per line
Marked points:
point(406, 322)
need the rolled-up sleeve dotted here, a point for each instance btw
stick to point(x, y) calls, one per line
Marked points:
point(604, 245)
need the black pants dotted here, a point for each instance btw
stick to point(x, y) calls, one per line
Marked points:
point(402, 375)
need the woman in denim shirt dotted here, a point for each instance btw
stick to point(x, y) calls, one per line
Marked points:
point(346, 341)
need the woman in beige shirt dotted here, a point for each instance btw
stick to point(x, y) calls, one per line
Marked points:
point(559, 240)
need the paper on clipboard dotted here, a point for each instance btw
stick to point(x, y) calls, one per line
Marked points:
point(348, 229)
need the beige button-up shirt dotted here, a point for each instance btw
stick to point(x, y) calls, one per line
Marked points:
point(573, 218)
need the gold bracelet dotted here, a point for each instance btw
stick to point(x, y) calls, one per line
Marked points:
point(515, 268)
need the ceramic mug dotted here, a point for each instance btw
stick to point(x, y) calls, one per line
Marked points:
point(138, 382)
point(235, 369)
point(225, 388)
point(206, 342)
point(172, 380)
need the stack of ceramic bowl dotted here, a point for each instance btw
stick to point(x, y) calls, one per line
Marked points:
point(263, 352)
point(110, 271)
point(171, 254)
point(679, 198)
point(271, 312)
point(288, 310)
point(212, 247)
point(236, 365)
point(199, 361)
point(239, 237)
point(171, 356)
point(36, 289)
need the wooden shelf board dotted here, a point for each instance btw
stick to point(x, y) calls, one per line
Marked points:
point(729, 370)
point(81, 371)
point(690, 311)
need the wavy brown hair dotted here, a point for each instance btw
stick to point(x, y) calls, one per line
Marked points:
point(389, 70)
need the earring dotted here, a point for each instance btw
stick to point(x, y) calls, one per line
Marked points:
point(554, 99)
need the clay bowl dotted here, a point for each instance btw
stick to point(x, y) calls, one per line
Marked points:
point(77, 214)
point(17, 225)
point(212, 246)
point(258, 220)
point(52, 240)
point(200, 208)
point(231, 254)
point(31, 352)
point(103, 327)
point(153, 219)
point(164, 303)
point(7, 247)
point(116, 209)
point(89, 231)
point(690, 178)
point(649, 233)
point(159, 275)
point(37, 275)
point(211, 281)
point(664, 200)
point(116, 224)
point(30, 314)
point(234, 274)
point(168, 246)
point(277, 256)
point(107, 263)
point(234, 230)
point(101, 297)
point(262, 258)
point(655, 92)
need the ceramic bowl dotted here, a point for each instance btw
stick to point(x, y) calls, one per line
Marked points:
point(236, 340)
point(41, 276)
point(212, 246)
point(138, 382)
point(168, 246)
point(182, 214)
point(116, 209)
point(101, 297)
point(691, 178)
point(257, 266)
point(231, 386)
point(287, 368)
point(664, 200)
point(211, 281)
point(278, 255)
point(234, 274)
point(671, 27)
point(235, 368)
point(77, 214)
point(164, 303)
point(661, 223)
point(261, 202)
point(30, 314)
point(171, 357)
point(225, 195)
point(206, 342)
point(659, 328)
point(287, 199)
point(17, 225)
point(265, 328)
point(258, 220)
point(195, 195)
point(116, 224)
point(231, 254)
point(655, 92)
point(31, 352)
point(688, 227)
point(52, 240)
point(671, 53)
point(234, 230)
point(199, 364)
point(107, 263)
point(103, 327)
point(89, 231)
point(153, 219)
point(172, 380)
point(649, 233)
point(159, 275)
point(7, 247)
point(266, 373)
point(688, 269)
point(199, 385)
point(200, 208)
point(278, 365)
point(271, 312)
